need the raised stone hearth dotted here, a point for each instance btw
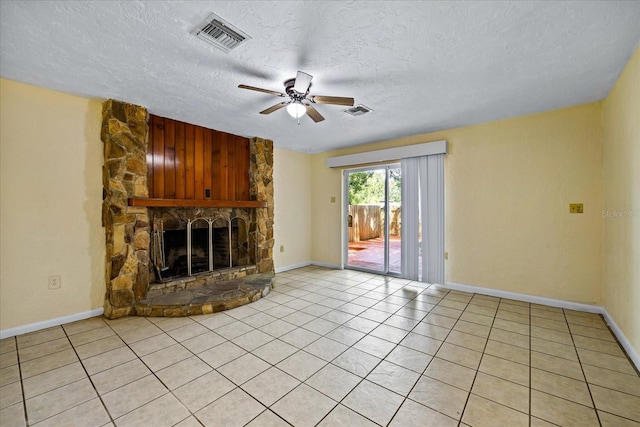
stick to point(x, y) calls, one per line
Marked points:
point(130, 274)
point(205, 298)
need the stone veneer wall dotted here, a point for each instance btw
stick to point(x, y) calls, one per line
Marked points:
point(261, 189)
point(125, 136)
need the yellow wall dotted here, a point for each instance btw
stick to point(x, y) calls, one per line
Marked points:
point(508, 185)
point(292, 182)
point(50, 202)
point(326, 237)
point(621, 183)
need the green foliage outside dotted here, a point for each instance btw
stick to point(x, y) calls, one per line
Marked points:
point(367, 187)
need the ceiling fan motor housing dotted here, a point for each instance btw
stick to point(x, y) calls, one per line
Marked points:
point(295, 95)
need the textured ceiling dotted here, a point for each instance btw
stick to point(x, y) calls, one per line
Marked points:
point(421, 66)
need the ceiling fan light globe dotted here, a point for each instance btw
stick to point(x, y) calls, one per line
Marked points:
point(296, 110)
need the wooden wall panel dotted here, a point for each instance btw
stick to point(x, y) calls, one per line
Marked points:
point(243, 157)
point(223, 166)
point(216, 155)
point(158, 157)
point(184, 161)
point(180, 161)
point(169, 159)
point(199, 162)
point(208, 167)
point(149, 159)
point(190, 162)
point(232, 164)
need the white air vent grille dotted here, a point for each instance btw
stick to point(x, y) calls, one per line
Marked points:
point(219, 33)
point(358, 110)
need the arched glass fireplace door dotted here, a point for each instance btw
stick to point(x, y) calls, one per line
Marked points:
point(203, 246)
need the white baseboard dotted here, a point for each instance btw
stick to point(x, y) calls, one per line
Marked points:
point(327, 265)
point(632, 352)
point(525, 297)
point(306, 264)
point(570, 305)
point(292, 266)
point(32, 327)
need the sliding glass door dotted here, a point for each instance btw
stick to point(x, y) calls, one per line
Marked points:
point(373, 205)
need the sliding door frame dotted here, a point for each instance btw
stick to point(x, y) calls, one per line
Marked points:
point(345, 217)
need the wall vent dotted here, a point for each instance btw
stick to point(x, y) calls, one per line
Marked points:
point(358, 110)
point(220, 33)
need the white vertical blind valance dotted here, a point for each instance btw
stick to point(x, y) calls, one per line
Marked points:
point(389, 154)
point(423, 218)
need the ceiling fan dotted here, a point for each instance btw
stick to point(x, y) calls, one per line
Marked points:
point(300, 101)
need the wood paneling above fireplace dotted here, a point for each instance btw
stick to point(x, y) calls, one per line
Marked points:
point(189, 162)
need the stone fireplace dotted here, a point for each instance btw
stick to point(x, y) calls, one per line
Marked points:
point(205, 244)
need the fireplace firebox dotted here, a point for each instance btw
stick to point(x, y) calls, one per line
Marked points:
point(200, 245)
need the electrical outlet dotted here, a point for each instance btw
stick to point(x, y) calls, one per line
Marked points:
point(281, 248)
point(54, 282)
point(446, 256)
point(576, 208)
point(333, 199)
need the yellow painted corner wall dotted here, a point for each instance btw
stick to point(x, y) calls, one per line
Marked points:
point(292, 221)
point(326, 216)
point(508, 185)
point(621, 207)
point(50, 204)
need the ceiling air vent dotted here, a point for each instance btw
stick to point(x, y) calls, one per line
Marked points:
point(358, 110)
point(219, 33)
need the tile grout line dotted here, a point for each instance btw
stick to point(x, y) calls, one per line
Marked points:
point(338, 403)
point(530, 367)
point(405, 398)
point(451, 329)
point(433, 357)
point(152, 372)
point(330, 362)
point(88, 376)
point(595, 409)
point(267, 408)
point(24, 397)
point(466, 402)
point(443, 341)
point(381, 359)
point(42, 357)
point(195, 355)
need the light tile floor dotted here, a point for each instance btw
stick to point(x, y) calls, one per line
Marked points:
point(328, 348)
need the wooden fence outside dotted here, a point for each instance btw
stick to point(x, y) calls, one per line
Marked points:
point(367, 222)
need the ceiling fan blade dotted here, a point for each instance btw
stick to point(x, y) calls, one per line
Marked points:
point(336, 100)
point(257, 89)
point(303, 80)
point(313, 113)
point(274, 108)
